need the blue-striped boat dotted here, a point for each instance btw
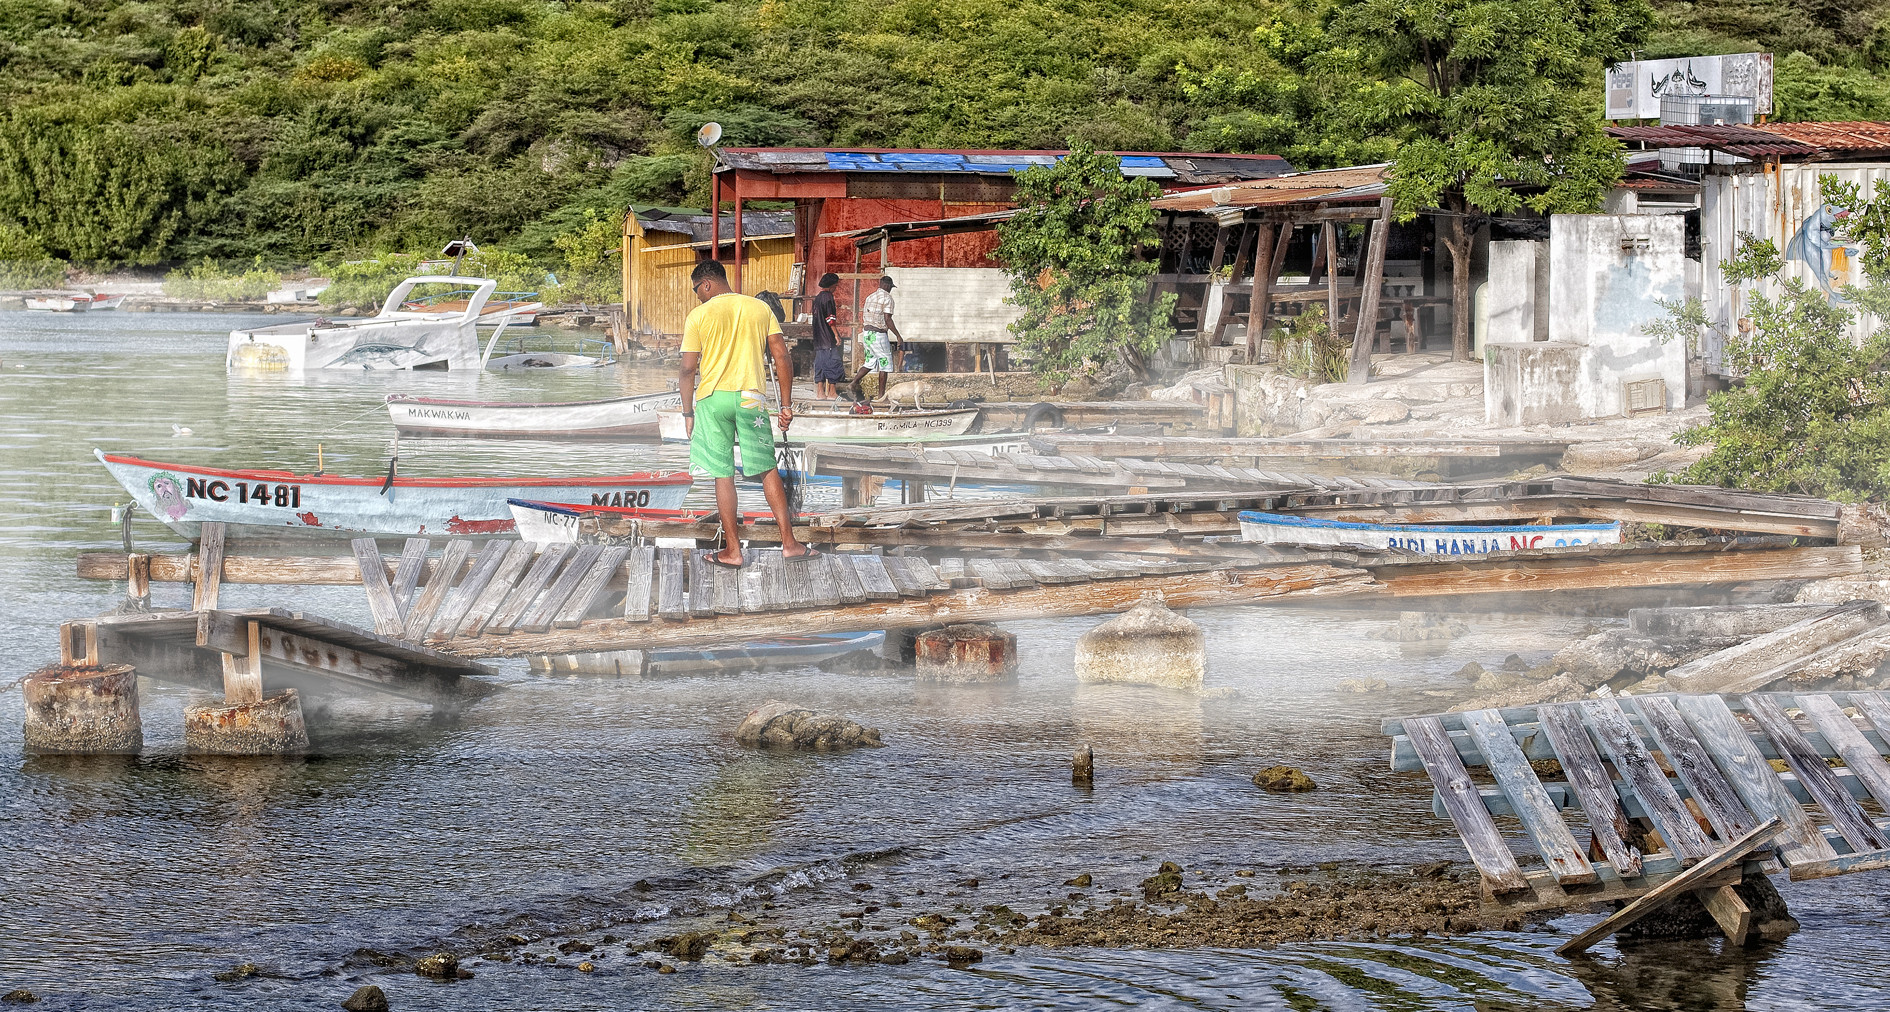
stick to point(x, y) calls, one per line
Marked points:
point(1427, 539)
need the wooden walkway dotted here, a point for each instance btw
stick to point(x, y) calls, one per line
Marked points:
point(1203, 447)
point(1663, 784)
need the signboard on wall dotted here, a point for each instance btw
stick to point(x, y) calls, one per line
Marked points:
point(1636, 88)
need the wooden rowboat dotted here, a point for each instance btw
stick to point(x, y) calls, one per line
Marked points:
point(809, 425)
point(1427, 539)
point(262, 503)
point(60, 302)
point(611, 418)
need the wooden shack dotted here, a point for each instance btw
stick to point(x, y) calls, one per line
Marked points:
point(660, 247)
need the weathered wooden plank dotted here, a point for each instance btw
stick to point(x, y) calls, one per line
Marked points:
point(1015, 573)
point(774, 579)
point(1733, 853)
point(823, 589)
point(701, 585)
point(517, 557)
point(380, 597)
point(544, 611)
point(670, 565)
point(1560, 852)
point(1849, 820)
point(728, 594)
point(209, 566)
point(1858, 754)
point(1757, 662)
point(1694, 766)
point(986, 571)
point(848, 580)
point(900, 570)
point(1041, 572)
point(1609, 570)
point(528, 589)
point(1637, 766)
point(1591, 784)
point(874, 579)
point(420, 616)
point(460, 600)
point(413, 562)
point(1487, 849)
point(1752, 778)
point(752, 587)
point(639, 583)
point(1875, 709)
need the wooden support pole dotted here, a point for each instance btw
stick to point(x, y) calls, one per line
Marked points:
point(138, 579)
point(209, 567)
point(1686, 881)
point(1243, 254)
point(1374, 282)
point(1329, 238)
point(1262, 308)
point(242, 674)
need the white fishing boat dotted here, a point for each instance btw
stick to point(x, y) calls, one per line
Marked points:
point(819, 424)
point(578, 524)
point(610, 418)
point(275, 503)
point(395, 338)
point(59, 302)
point(104, 303)
point(1427, 539)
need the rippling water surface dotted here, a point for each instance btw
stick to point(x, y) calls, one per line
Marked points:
point(572, 806)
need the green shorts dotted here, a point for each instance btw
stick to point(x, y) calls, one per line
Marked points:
point(721, 424)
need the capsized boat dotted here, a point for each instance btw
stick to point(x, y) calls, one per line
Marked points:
point(816, 424)
point(270, 503)
point(1427, 539)
point(395, 338)
point(609, 418)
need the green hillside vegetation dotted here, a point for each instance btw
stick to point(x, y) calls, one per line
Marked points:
point(295, 131)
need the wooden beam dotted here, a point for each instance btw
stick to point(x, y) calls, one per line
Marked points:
point(1496, 575)
point(1733, 853)
point(242, 673)
point(209, 575)
point(382, 674)
point(1374, 281)
point(974, 604)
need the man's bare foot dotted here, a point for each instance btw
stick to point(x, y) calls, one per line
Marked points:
point(722, 558)
point(805, 550)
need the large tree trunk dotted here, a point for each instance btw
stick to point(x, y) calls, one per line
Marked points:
point(1456, 236)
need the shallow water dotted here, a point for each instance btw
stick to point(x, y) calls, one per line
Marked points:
point(570, 807)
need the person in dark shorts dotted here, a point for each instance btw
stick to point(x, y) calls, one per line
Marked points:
point(829, 370)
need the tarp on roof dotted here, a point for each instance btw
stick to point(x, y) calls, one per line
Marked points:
point(1180, 167)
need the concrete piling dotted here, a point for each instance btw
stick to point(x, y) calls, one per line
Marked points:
point(272, 726)
point(1146, 645)
point(967, 652)
point(81, 710)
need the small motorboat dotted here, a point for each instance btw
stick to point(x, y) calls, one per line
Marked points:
point(59, 302)
point(818, 424)
point(754, 655)
point(610, 418)
point(104, 303)
point(1426, 539)
point(546, 360)
point(395, 338)
point(275, 503)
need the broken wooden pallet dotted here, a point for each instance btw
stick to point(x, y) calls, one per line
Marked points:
point(1664, 782)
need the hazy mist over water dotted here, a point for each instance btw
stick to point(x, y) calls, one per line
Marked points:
point(576, 807)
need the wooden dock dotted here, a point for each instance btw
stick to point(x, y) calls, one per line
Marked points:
point(1515, 452)
point(1677, 792)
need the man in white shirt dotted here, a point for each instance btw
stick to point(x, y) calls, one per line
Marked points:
point(876, 322)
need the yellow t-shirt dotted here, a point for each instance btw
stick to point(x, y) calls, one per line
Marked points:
point(731, 331)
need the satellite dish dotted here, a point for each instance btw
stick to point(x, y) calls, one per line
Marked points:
point(709, 134)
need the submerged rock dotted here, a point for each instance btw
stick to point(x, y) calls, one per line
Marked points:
point(780, 724)
point(441, 965)
point(1165, 882)
point(1560, 689)
point(238, 972)
point(20, 996)
point(961, 955)
point(1146, 645)
point(1362, 684)
point(690, 946)
point(1283, 780)
point(1420, 626)
point(367, 998)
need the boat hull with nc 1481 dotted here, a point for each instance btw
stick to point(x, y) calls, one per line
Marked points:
point(276, 504)
point(398, 337)
point(1425, 539)
point(611, 418)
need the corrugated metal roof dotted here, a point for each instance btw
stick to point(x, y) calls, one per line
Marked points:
point(1858, 136)
point(1178, 167)
point(755, 224)
point(1733, 139)
point(1359, 181)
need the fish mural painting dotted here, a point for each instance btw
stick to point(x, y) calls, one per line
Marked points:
point(1821, 245)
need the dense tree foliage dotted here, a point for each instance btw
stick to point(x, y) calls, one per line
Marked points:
point(1071, 253)
point(172, 130)
point(1812, 412)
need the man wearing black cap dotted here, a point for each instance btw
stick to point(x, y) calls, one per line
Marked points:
point(876, 322)
point(829, 371)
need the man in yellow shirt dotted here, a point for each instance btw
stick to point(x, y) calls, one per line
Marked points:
point(723, 347)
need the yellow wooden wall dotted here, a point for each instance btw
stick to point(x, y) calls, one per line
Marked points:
point(660, 277)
